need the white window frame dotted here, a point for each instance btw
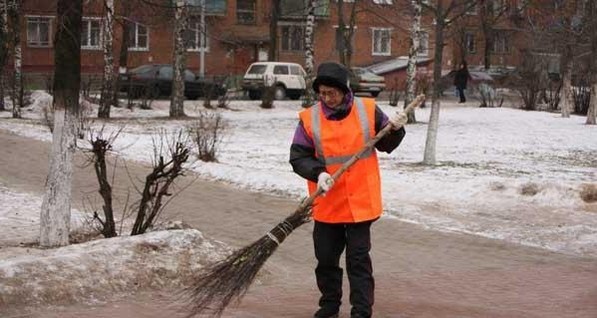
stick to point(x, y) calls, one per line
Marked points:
point(473, 10)
point(375, 32)
point(383, 2)
point(86, 27)
point(197, 34)
point(135, 28)
point(423, 50)
point(38, 19)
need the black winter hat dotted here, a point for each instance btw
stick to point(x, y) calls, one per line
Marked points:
point(332, 74)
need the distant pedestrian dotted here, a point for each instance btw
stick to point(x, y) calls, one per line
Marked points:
point(460, 80)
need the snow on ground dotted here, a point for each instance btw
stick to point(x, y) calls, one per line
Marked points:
point(502, 173)
point(80, 271)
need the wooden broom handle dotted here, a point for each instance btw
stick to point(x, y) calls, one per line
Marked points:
point(368, 147)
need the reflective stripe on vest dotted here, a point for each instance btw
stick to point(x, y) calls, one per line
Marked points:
point(363, 120)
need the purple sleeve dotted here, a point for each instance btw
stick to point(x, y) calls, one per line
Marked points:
point(301, 137)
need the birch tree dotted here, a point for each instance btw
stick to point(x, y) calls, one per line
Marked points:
point(444, 15)
point(55, 210)
point(108, 90)
point(17, 95)
point(178, 64)
point(309, 54)
point(413, 50)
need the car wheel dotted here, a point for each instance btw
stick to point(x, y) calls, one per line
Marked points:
point(254, 95)
point(280, 93)
point(374, 94)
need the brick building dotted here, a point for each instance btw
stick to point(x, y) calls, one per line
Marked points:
point(238, 34)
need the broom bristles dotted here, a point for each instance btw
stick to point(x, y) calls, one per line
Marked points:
point(229, 279)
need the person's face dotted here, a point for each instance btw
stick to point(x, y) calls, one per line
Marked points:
point(332, 96)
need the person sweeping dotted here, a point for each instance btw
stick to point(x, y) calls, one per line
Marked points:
point(326, 152)
point(329, 134)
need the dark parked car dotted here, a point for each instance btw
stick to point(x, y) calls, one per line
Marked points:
point(364, 81)
point(154, 80)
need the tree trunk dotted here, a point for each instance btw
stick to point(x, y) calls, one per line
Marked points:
point(341, 31)
point(591, 19)
point(124, 46)
point(429, 156)
point(273, 31)
point(3, 49)
point(566, 101)
point(310, 97)
point(485, 17)
point(411, 66)
point(17, 100)
point(55, 211)
point(107, 96)
point(177, 99)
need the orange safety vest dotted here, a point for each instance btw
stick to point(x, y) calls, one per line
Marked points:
point(356, 195)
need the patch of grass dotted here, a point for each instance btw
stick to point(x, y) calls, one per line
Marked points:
point(529, 189)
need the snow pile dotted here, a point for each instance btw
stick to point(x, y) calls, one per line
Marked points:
point(99, 268)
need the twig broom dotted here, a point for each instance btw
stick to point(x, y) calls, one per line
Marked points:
point(230, 278)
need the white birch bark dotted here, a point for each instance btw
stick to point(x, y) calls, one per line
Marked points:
point(55, 209)
point(107, 94)
point(411, 66)
point(4, 47)
point(429, 157)
point(309, 54)
point(177, 99)
point(566, 101)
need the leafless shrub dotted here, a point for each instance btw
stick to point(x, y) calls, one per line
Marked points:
point(158, 182)
point(100, 146)
point(490, 97)
point(532, 79)
point(224, 101)
point(588, 193)
point(207, 133)
point(529, 189)
point(582, 97)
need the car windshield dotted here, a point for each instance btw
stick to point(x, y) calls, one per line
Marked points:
point(257, 69)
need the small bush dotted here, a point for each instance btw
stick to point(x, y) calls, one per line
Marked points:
point(207, 132)
point(529, 189)
point(588, 193)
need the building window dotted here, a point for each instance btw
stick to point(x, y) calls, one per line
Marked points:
point(90, 34)
point(293, 38)
point(38, 31)
point(469, 42)
point(472, 9)
point(192, 36)
point(382, 42)
point(423, 44)
point(245, 11)
point(500, 43)
point(383, 1)
point(138, 37)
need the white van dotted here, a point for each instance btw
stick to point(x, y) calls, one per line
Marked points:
point(288, 78)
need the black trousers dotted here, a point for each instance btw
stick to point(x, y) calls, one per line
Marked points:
point(461, 94)
point(330, 240)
